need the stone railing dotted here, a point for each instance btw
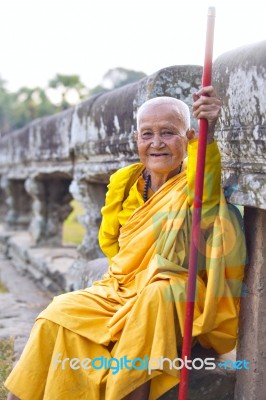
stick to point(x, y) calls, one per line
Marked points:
point(240, 78)
point(72, 154)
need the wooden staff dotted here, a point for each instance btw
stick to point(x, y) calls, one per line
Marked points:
point(196, 218)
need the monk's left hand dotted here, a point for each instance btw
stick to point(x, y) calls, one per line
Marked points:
point(207, 105)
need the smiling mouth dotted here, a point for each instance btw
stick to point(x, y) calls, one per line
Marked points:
point(159, 155)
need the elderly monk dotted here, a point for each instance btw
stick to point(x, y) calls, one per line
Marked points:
point(105, 342)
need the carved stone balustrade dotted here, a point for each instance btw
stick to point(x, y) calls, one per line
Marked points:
point(240, 78)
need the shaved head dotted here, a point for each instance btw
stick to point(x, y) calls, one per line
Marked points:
point(179, 106)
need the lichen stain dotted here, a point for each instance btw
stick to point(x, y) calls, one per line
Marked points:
point(78, 129)
point(246, 96)
point(116, 124)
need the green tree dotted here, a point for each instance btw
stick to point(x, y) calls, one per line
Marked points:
point(30, 104)
point(117, 77)
point(19, 108)
point(68, 86)
point(6, 100)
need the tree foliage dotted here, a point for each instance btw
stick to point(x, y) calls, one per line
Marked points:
point(68, 85)
point(30, 104)
point(19, 108)
point(117, 77)
point(6, 101)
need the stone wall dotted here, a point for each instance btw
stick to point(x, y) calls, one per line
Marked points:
point(73, 153)
point(240, 79)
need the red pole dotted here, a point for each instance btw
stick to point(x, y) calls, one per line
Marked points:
point(196, 218)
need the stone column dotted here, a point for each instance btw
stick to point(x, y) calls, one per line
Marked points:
point(3, 205)
point(92, 197)
point(83, 272)
point(251, 384)
point(50, 206)
point(18, 204)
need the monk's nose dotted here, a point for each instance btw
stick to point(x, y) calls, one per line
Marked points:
point(157, 142)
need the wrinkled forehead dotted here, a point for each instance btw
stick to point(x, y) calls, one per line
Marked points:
point(164, 108)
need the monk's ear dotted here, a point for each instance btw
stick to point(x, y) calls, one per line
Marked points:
point(190, 134)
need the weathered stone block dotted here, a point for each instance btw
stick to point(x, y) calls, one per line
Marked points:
point(42, 145)
point(240, 79)
point(251, 384)
point(82, 275)
point(17, 202)
point(50, 207)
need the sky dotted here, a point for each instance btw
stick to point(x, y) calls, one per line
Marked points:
point(39, 38)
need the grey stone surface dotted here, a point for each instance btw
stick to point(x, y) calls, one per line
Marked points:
point(50, 207)
point(82, 275)
point(48, 266)
point(251, 384)
point(240, 79)
point(54, 269)
point(92, 197)
point(20, 305)
point(217, 384)
point(3, 205)
point(16, 203)
point(42, 145)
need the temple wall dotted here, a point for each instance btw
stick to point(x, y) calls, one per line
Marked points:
point(240, 79)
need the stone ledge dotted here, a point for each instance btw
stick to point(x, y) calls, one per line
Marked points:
point(54, 269)
point(48, 267)
point(4, 237)
point(82, 274)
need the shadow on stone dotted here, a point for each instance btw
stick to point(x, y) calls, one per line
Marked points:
point(205, 384)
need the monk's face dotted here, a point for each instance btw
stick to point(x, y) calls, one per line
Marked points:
point(161, 139)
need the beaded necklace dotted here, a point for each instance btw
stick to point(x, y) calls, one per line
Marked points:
point(146, 187)
point(147, 183)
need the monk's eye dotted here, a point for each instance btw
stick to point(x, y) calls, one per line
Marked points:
point(167, 133)
point(147, 135)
